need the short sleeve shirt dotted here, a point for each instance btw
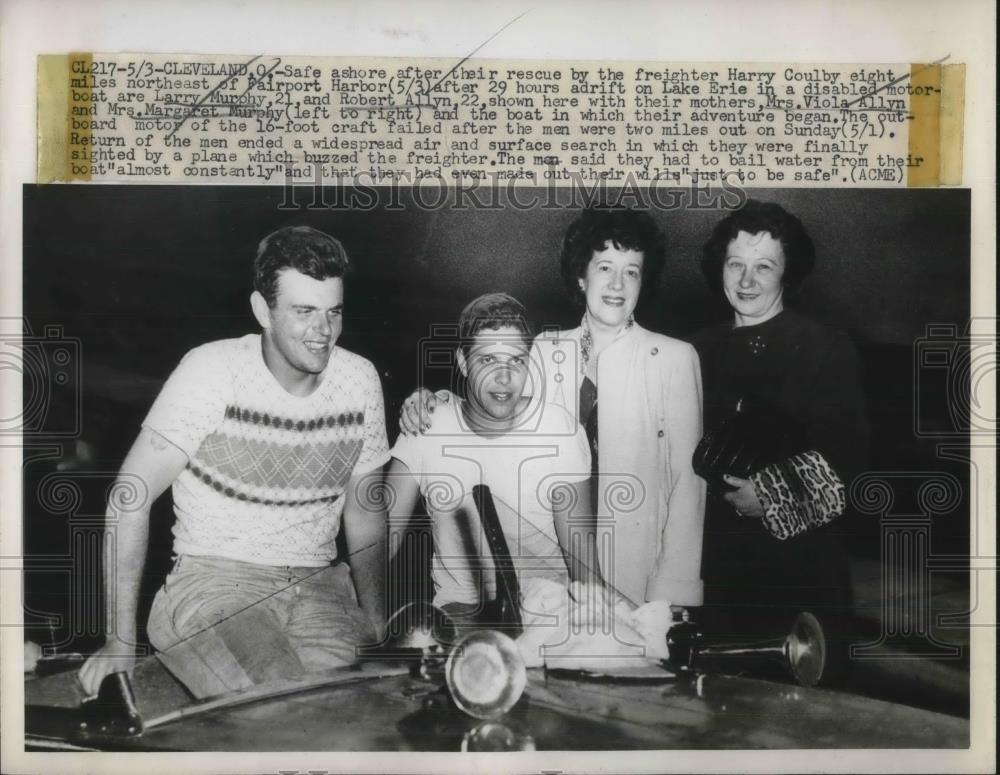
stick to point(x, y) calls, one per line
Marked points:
point(267, 471)
point(521, 469)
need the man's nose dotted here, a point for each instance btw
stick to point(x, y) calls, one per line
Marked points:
point(503, 375)
point(322, 324)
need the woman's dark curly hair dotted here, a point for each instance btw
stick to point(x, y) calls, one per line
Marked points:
point(756, 217)
point(625, 230)
point(314, 253)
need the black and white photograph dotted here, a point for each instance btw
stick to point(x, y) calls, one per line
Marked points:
point(760, 539)
point(546, 426)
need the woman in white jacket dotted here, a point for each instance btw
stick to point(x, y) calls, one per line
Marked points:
point(638, 394)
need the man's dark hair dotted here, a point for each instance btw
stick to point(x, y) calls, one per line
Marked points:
point(626, 230)
point(490, 312)
point(314, 253)
point(753, 218)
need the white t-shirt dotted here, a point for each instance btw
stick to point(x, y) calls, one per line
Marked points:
point(266, 470)
point(520, 468)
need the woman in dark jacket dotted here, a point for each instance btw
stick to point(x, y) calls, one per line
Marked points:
point(771, 545)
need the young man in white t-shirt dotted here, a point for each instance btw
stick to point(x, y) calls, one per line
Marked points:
point(265, 440)
point(534, 457)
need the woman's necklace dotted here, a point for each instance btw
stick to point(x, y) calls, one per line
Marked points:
point(587, 341)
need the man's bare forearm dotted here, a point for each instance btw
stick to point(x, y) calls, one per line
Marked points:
point(366, 553)
point(126, 537)
point(150, 467)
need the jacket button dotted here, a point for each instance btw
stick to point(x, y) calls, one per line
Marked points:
point(660, 434)
point(654, 351)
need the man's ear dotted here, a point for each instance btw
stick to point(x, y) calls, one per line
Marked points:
point(260, 310)
point(463, 365)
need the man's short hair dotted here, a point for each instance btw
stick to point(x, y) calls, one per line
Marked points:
point(490, 312)
point(314, 253)
point(753, 218)
point(626, 230)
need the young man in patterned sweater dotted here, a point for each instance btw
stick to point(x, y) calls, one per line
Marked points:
point(266, 441)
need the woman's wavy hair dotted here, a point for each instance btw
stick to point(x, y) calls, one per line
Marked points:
point(625, 229)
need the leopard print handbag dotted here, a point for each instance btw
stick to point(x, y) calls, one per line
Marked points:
point(798, 494)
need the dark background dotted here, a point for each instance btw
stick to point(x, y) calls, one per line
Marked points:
point(141, 274)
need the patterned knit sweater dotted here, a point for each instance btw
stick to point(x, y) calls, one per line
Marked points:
point(267, 470)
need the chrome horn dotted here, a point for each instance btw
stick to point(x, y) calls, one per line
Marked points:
point(483, 669)
point(486, 674)
point(802, 652)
